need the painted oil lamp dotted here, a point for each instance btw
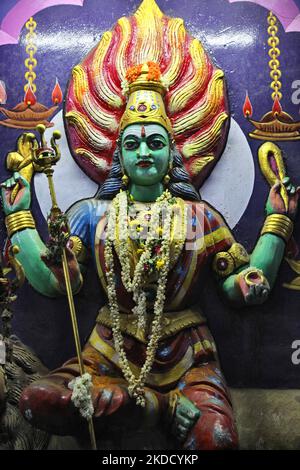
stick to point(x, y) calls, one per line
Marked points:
point(275, 125)
point(29, 113)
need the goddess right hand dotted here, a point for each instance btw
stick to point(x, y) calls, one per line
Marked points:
point(275, 203)
point(57, 269)
point(22, 199)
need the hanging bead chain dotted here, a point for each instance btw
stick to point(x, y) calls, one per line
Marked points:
point(30, 62)
point(274, 53)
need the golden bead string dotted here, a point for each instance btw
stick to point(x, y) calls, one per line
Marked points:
point(30, 62)
point(274, 53)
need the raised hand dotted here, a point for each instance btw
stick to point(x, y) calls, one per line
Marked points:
point(58, 242)
point(57, 269)
point(15, 194)
point(276, 204)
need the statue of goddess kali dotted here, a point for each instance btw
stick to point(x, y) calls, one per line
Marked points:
point(147, 118)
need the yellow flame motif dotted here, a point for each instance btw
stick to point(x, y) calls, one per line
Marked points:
point(195, 101)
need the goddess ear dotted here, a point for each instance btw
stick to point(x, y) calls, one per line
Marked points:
point(118, 153)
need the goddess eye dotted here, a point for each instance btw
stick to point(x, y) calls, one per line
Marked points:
point(156, 144)
point(131, 145)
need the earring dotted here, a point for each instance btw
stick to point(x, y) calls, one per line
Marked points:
point(125, 180)
point(167, 180)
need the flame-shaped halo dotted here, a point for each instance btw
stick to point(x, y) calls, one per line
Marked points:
point(196, 101)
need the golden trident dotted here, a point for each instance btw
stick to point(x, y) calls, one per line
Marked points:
point(44, 158)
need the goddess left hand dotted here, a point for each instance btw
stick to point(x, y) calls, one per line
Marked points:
point(186, 415)
point(275, 203)
point(253, 286)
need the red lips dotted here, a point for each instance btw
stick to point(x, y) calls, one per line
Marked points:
point(144, 164)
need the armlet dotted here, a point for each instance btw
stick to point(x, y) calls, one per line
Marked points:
point(226, 262)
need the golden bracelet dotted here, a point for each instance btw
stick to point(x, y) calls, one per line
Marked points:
point(278, 224)
point(19, 221)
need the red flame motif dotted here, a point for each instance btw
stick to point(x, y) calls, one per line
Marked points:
point(195, 101)
point(57, 95)
point(3, 95)
point(277, 108)
point(247, 108)
point(29, 98)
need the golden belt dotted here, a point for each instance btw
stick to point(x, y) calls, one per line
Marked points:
point(172, 322)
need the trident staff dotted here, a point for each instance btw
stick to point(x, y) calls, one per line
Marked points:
point(44, 158)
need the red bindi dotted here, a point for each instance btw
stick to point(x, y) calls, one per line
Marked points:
point(143, 132)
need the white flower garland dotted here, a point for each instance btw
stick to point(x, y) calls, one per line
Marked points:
point(118, 218)
point(81, 395)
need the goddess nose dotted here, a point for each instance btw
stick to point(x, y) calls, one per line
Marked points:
point(143, 151)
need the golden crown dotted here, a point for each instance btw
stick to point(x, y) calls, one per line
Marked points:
point(145, 92)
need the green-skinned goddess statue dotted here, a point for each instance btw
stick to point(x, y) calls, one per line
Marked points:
point(147, 117)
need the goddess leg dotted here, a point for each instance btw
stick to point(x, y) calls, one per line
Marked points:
point(47, 403)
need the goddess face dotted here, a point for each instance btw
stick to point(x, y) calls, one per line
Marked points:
point(145, 153)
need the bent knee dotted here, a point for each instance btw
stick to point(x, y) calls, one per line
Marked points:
point(46, 405)
point(212, 432)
